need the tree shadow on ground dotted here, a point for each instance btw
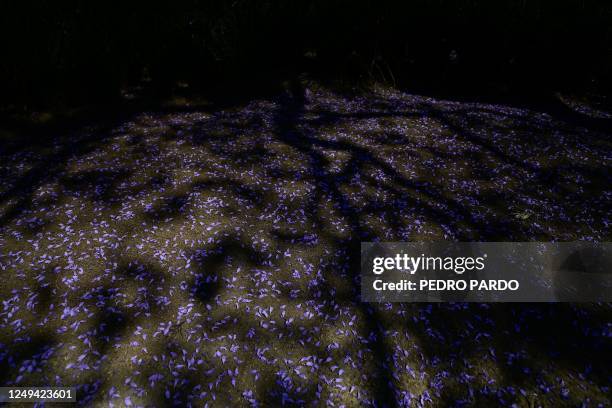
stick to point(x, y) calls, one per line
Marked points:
point(333, 170)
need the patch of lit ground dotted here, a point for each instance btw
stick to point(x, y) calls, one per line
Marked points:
point(211, 257)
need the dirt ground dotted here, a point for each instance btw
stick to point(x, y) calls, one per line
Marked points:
point(211, 257)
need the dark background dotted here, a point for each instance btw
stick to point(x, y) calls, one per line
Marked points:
point(75, 52)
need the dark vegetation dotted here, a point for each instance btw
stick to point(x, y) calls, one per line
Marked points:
point(71, 52)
